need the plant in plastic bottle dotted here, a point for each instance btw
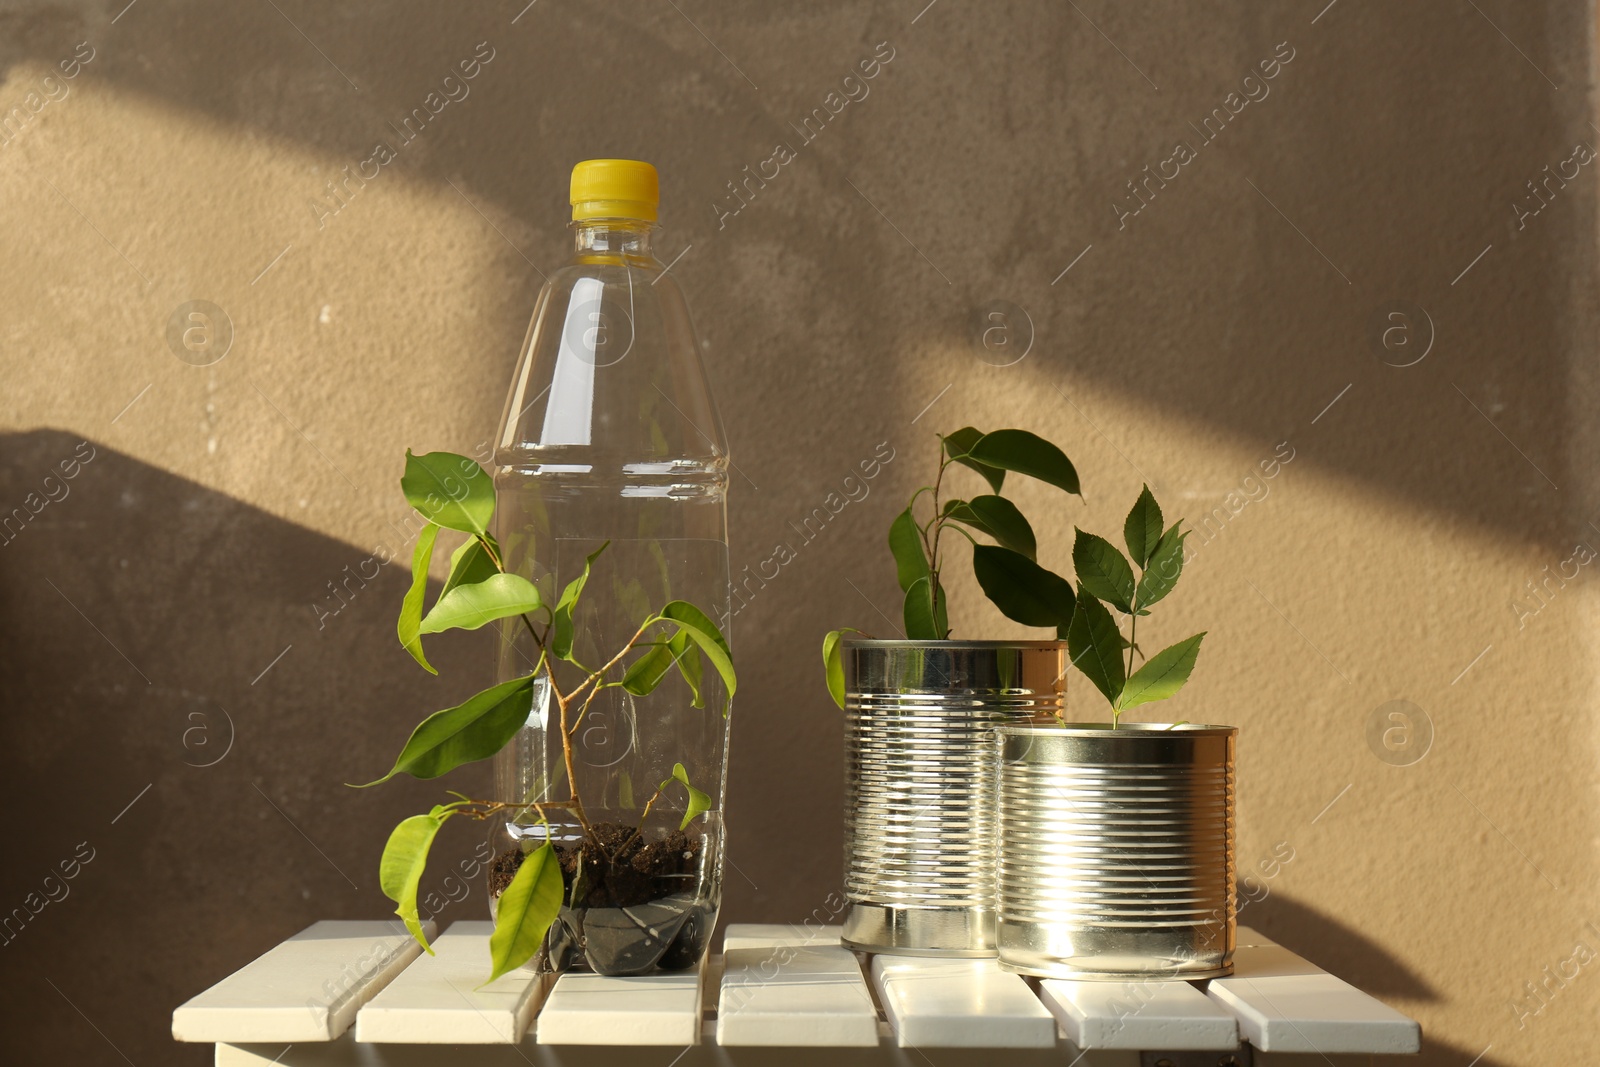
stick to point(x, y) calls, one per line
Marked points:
point(609, 860)
point(606, 521)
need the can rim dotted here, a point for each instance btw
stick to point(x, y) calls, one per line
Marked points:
point(1106, 730)
point(877, 642)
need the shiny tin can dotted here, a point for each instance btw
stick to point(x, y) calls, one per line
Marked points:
point(1116, 851)
point(920, 762)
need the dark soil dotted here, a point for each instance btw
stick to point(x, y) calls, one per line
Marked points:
point(615, 872)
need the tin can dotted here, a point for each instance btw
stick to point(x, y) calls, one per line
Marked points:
point(1116, 851)
point(920, 761)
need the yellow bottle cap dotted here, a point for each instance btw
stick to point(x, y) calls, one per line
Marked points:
point(614, 189)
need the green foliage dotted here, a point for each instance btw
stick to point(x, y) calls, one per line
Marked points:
point(699, 803)
point(693, 623)
point(561, 620)
point(1164, 568)
point(1025, 453)
point(924, 621)
point(470, 731)
point(1142, 528)
point(467, 607)
point(453, 492)
point(1095, 645)
point(411, 607)
point(450, 490)
point(957, 447)
point(1162, 675)
point(833, 663)
point(472, 562)
point(1008, 570)
point(1012, 578)
point(686, 654)
point(999, 518)
point(646, 672)
point(905, 544)
point(1023, 591)
point(1102, 570)
point(404, 857)
point(525, 911)
point(1105, 575)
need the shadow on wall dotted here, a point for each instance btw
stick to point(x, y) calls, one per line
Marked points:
point(1259, 349)
point(183, 706)
point(179, 784)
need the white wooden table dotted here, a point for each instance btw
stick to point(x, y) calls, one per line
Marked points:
point(342, 994)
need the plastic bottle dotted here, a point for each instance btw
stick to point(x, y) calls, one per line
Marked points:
point(610, 434)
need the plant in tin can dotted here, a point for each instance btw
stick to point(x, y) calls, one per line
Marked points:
point(1107, 577)
point(1008, 570)
point(1024, 591)
point(453, 492)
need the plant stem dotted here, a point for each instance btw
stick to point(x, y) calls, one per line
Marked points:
point(486, 808)
point(638, 830)
point(594, 676)
point(572, 769)
point(575, 805)
point(938, 527)
point(1133, 632)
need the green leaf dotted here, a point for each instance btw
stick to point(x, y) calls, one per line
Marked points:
point(471, 563)
point(1166, 564)
point(1095, 645)
point(468, 732)
point(686, 654)
point(646, 672)
point(411, 606)
point(704, 633)
point(958, 444)
point(1162, 676)
point(905, 541)
point(450, 490)
point(833, 663)
point(404, 858)
point(1026, 453)
point(561, 621)
point(1141, 531)
point(1102, 571)
point(999, 518)
point(467, 607)
point(921, 625)
point(699, 803)
point(1023, 591)
point(525, 910)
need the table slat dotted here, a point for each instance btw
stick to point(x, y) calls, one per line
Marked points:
point(437, 1000)
point(309, 988)
point(784, 993)
point(936, 1003)
point(776, 935)
point(1148, 1015)
point(594, 1009)
point(1287, 1004)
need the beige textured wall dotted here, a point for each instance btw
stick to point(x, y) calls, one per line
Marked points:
point(137, 614)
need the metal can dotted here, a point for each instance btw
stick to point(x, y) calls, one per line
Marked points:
point(920, 765)
point(1116, 851)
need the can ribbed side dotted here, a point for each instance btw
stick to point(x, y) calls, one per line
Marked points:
point(1145, 845)
point(920, 762)
point(919, 797)
point(1116, 858)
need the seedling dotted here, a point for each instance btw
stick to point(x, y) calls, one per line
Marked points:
point(453, 492)
point(1011, 577)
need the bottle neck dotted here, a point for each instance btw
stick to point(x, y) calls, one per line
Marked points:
point(613, 241)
